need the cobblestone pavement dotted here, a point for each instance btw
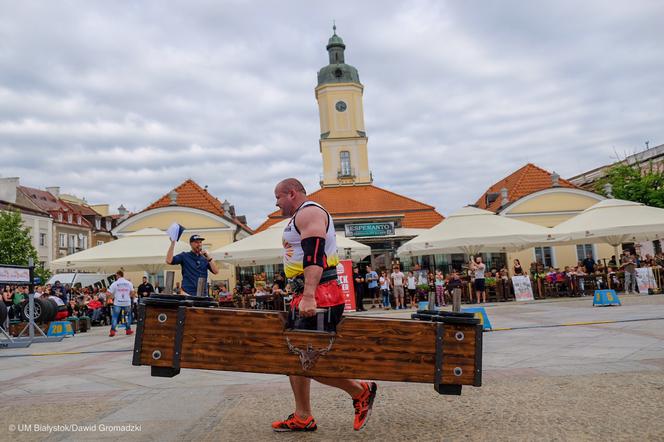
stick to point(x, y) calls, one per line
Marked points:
point(575, 382)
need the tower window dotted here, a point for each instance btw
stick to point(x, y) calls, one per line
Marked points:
point(344, 156)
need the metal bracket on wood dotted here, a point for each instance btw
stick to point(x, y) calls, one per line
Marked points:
point(438, 385)
point(179, 334)
point(140, 327)
point(309, 356)
point(479, 332)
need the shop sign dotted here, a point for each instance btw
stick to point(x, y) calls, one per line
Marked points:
point(369, 229)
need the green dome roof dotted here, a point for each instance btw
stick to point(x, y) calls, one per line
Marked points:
point(335, 40)
point(337, 71)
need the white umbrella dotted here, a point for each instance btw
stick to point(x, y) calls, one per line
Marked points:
point(613, 221)
point(144, 250)
point(266, 247)
point(472, 230)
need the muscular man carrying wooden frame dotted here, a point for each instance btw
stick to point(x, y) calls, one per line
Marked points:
point(310, 260)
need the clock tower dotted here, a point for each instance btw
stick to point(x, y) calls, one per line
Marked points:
point(343, 140)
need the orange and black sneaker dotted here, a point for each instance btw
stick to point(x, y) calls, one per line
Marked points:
point(295, 423)
point(363, 404)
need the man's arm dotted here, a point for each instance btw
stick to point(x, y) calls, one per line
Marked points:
point(169, 254)
point(213, 265)
point(311, 221)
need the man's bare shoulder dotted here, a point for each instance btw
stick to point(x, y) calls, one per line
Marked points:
point(311, 218)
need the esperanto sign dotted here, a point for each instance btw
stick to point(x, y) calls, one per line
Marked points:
point(369, 229)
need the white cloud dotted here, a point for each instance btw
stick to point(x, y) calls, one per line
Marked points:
point(121, 101)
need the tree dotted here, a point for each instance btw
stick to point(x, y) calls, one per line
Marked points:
point(642, 183)
point(16, 243)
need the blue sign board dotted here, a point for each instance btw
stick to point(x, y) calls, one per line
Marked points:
point(605, 298)
point(480, 314)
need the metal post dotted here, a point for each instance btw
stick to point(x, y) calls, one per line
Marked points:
point(200, 287)
point(168, 285)
point(31, 319)
point(456, 300)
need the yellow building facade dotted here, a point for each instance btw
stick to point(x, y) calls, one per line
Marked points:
point(538, 196)
point(200, 213)
point(549, 208)
point(343, 139)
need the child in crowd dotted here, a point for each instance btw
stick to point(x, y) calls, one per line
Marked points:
point(440, 289)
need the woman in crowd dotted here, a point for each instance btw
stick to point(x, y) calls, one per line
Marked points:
point(95, 309)
point(412, 289)
point(431, 280)
point(384, 283)
point(73, 308)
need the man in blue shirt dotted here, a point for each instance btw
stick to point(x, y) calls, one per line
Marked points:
point(372, 284)
point(194, 264)
point(589, 264)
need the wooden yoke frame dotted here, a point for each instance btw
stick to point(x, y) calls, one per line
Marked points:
point(176, 332)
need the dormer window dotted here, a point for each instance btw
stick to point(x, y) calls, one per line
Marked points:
point(78, 219)
point(98, 223)
point(70, 218)
point(60, 216)
point(108, 225)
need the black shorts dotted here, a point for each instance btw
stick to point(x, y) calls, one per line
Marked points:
point(479, 284)
point(331, 318)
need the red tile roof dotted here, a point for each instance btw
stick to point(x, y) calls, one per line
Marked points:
point(85, 210)
point(47, 202)
point(528, 179)
point(43, 199)
point(368, 201)
point(190, 194)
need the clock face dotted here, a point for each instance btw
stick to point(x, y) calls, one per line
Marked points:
point(340, 106)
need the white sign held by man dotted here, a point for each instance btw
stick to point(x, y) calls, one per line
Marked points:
point(523, 291)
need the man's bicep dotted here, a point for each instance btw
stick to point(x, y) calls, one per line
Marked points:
point(177, 259)
point(312, 222)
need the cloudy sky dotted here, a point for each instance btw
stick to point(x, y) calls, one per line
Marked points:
point(119, 102)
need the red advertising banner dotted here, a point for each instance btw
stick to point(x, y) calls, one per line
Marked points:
point(345, 278)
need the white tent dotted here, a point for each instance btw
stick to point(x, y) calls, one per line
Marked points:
point(266, 248)
point(471, 230)
point(613, 221)
point(144, 250)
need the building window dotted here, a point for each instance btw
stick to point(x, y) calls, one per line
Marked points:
point(108, 225)
point(84, 242)
point(42, 239)
point(583, 250)
point(344, 156)
point(60, 216)
point(70, 218)
point(100, 243)
point(97, 223)
point(544, 255)
point(63, 241)
point(78, 219)
point(73, 241)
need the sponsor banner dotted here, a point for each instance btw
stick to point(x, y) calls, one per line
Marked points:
point(345, 278)
point(645, 279)
point(523, 291)
point(14, 275)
